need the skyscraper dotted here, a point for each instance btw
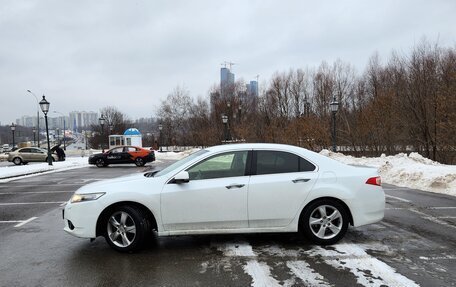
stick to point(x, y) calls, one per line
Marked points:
point(226, 79)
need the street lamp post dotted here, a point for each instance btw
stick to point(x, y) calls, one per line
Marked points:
point(45, 108)
point(13, 128)
point(86, 138)
point(334, 107)
point(37, 115)
point(225, 123)
point(102, 121)
point(64, 129)
point(160, 127)
point(34, 132)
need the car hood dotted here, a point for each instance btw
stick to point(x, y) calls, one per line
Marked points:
point(113, 184)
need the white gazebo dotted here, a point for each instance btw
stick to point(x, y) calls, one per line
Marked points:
point(131, 136)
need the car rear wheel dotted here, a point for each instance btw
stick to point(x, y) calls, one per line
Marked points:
point(139, 161)
point(325, 221)
point(17, 161)
point(100, 162)
point(126, 229)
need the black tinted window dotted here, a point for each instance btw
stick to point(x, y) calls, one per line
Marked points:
point(25, 150)
point(304, 165)
point(276, 162)
point(269, 162)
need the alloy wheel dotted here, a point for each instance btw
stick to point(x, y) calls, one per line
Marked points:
point(326, 221)
point(121, 229)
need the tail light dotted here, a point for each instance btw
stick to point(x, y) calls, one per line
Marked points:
point(375, 181)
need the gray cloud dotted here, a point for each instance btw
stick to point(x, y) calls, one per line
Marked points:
point(88, 54)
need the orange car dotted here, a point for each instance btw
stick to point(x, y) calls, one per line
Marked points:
point(123, 154)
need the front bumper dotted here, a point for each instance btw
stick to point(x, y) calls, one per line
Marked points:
point(81, 218)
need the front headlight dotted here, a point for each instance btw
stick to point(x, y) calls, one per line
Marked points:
point(86, 197)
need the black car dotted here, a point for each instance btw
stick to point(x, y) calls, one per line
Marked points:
point(123, 154)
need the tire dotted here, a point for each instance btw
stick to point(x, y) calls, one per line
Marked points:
point(17, 161)
point(126, 229)
point(47, 159)
point(324, 221)
point(100, 163)
point(139, 161)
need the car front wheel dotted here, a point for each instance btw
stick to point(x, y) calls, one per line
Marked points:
point(126, 229)
point(325, 221)
point(17, 160)
point(100, 162)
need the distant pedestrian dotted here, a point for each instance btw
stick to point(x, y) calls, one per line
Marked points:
point(60, 153)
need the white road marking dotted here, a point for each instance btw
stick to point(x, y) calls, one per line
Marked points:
point(36, 192)
point(447, 257)
point(308, 275)
point(432, 218)
point(397, 198)
point(25, 222)
point(429, 207)
point(10, 221)
point(260, 273)
point(30, 203)
point(400, 188)
point(369, 271)
point(446, 217)
point(35, 185)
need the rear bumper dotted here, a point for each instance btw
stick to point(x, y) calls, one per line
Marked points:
point(150, 157)
point(368, 210)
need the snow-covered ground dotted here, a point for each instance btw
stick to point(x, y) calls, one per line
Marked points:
point(8, 172)
point(413, 171)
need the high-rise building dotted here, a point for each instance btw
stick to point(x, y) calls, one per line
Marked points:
point(79, 120)
point(252, 88)
point(226, 79)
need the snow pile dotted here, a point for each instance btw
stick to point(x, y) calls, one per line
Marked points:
point(7, 172)
point(412, 171)
point(174, 155)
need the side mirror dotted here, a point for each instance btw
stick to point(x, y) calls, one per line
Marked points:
point(181, 177)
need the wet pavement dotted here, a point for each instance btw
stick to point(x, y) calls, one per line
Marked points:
point(413, 245)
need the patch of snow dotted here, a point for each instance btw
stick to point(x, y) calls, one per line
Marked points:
point(260, 273)
point(369, 271)
point(412, 171)
point(308, 275)
point(174, 155)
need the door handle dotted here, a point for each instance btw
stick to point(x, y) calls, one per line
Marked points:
point(234, 186)
point(300, 180)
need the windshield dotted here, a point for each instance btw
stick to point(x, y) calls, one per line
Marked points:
point(180, 163)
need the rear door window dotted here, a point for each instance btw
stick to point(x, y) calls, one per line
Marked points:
point(270, 162)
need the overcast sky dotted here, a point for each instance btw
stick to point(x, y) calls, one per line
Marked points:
point(85, 55)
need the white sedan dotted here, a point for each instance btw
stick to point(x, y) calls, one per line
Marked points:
point(238, 188)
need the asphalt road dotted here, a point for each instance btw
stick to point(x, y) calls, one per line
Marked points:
point(414, 244)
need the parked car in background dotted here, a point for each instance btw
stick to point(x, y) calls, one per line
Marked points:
point(238, 188)
point(5, 148)
point(123, 154)
point(29, 154)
